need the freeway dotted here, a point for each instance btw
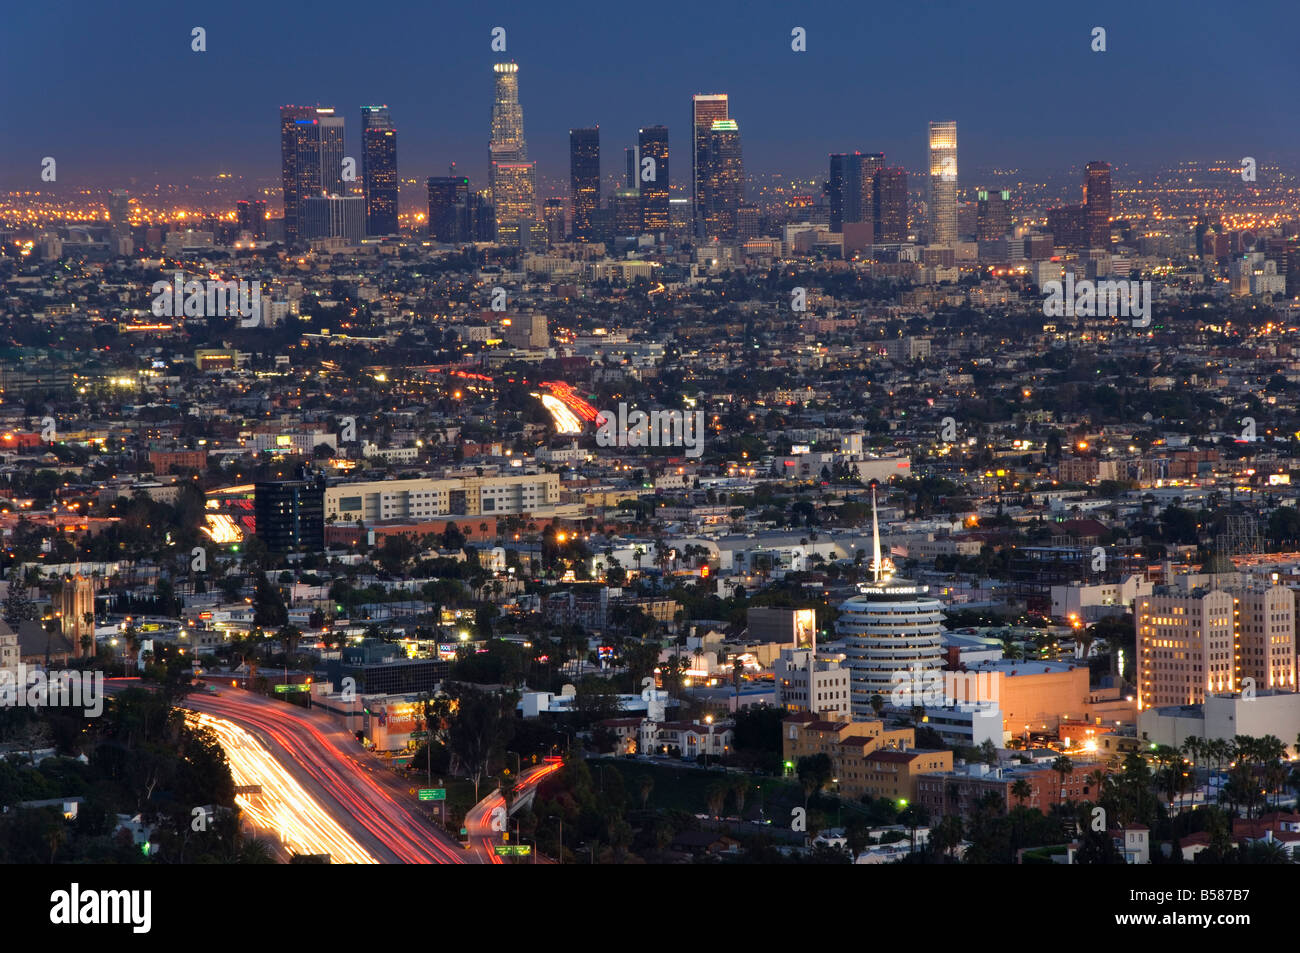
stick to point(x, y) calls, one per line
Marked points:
point(282, 807)
point(483, 836)
point(353, 786)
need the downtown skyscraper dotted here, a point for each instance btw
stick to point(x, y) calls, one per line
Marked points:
point(706, 109)
point(943, 183)
point(851, 189)
point(379, 170)
point(584, 181)
point(652, 177)
point(290, 116)
point(512, 179)
point(451, 208)
point(889, 205)
point(723, 191)
point(311, 159)
point(1096, 202)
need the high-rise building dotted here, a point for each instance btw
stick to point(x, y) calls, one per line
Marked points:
point(250, 216)
point(482, 216)
point(889, 205)
point(943, 183)
point(838, 191)
point(992, 214)
point(852, 186)
point(584, 180)
point(706, 109)
point(513, 179)
point(332, 216)
point(629, 168)
point(321, 145)
point(514, 191)
point(1194, 640)
point(507, 143)
point(290, 116)
point(290, 514)
point(553, 217)
point(379, 170)
point(627, 217)
point(1069, 226)
point(450, 209)
point(119, 212)
point(1096, 199)
point(312, 149)
point(652, 144)
point(724, 174)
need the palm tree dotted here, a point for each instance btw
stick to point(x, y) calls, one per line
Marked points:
point(1062, 766)
point(1021, 791)
point(1097, 779)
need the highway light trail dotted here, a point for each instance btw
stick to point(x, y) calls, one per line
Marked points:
point(221, 529)
point(283, 806)
point(479, 820)
point(565, 420)
point(345, 779)
point(570, 399)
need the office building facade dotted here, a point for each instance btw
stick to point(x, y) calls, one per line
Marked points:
point(290, 116)
point(379, 170)
point(450, 209)
point(992, 214)
point(512, 178)
point(333, 216)
point(724, 178)
point(584, 181)
point(652, 179)
point(889, 205)
point(289, 514)
point(507, 495)
point(1097, 202)
point(705, 111)
point(943, 183)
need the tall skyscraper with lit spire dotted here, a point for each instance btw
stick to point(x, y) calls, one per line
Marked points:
point(512, 179)
point(943, 183)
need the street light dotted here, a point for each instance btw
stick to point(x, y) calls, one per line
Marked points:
point(561, 820)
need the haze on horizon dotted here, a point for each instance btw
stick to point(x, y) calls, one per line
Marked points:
point(116, 95)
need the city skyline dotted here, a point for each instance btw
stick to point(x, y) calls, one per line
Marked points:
point(782, 130)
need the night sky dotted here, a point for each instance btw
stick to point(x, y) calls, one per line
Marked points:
point(113, 90)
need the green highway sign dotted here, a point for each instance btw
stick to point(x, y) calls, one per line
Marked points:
point(293, 688)
point(418, 735)
point(514, 850)
point(433, 794)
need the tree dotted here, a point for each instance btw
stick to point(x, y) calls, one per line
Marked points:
point(18, 607)
point(269, 610)
point(856, 833)
point(1021, 790)
point(717, 795)
point(483, 725)
point(814, 771)
point(1062, 766)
